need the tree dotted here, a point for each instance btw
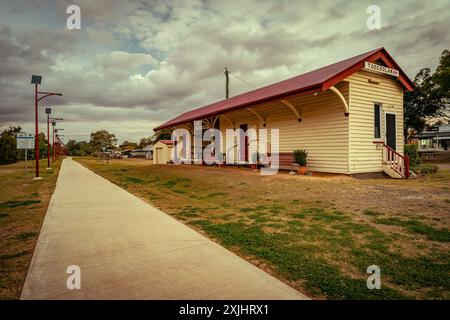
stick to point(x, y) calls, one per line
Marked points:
point(442, 76)
point(143, 142)
point(81, 148)
point(164, 134)
point(8, 148)
point(84, 148)
point(72, 147)
point(13, 130)
point(43, 149)
point(8, 145)
point(429, 98)
point(102, 139)
point(127, 145)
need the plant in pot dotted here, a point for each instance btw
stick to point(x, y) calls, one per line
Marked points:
point(255, 159)
point(300, 156)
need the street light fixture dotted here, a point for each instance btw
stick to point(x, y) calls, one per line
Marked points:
point(55, 133)
point(59, 144)
point(36, 80)
point(49, 119)
point(48, 111)
point(53, 140)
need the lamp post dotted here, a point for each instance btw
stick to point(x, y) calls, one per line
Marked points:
point(48, 112)
point(53, 141)
point(36, 80)
point(55, 133)
point(59, 144)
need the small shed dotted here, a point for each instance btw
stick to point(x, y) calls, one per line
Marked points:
point(162, 151)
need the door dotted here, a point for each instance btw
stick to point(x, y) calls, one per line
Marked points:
point(391, 130)
point(244, 148)
point(159, 154)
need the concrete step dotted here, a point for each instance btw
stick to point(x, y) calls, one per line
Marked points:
point(391, 172)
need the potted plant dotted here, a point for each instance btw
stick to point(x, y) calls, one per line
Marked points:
point(255, 159)
point(300, 156)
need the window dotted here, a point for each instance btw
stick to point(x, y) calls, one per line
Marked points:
point(377, 121)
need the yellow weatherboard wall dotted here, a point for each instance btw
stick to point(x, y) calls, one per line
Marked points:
point(161, 153)
point(335, 143)
point(365, 156)
point(323, 131)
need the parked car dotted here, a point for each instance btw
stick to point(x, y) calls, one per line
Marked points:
point(127, 153)
point(141, 153)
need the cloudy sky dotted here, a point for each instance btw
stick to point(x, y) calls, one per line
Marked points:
point(135, 64)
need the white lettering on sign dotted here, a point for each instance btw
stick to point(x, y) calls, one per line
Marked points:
point(382, 69)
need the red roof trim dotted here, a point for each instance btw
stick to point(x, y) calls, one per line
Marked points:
point(383, 55)
point(166, 141)
point(313, 81)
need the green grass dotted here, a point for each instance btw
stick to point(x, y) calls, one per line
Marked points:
point(258, 217)
point(299, 215)
point(189, 212)
point(216, 194)
point(17, 203)
point(295, 262)
point(321, 214)
point(25, 235)
point(425, 168)
point(415, 226)
point(411, 273)
point(13, 255)
point(134, 180)
point(372, 213)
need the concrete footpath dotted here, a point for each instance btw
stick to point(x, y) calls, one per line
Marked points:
point(127, 249)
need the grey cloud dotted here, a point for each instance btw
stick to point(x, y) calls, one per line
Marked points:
point(147, 61)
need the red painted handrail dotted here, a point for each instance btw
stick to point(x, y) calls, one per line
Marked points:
point(396, 161)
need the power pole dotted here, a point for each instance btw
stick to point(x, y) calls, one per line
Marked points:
point(227, 84)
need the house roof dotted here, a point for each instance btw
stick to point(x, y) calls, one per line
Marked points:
point(168, 142)
point(148, 148)
point(313, 81)
point(440, 131)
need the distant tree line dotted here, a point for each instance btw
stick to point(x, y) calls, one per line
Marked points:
point(428, 105)
point(102, 139)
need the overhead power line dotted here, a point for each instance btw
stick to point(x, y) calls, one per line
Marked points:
point(237, 77)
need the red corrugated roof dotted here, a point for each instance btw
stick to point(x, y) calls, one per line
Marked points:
point(317, 80)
